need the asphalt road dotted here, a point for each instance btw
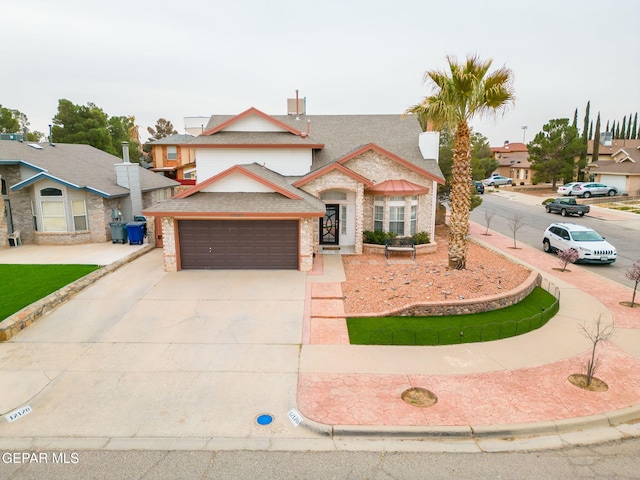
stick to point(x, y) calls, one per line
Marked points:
point(612, 460)
point(536, 220)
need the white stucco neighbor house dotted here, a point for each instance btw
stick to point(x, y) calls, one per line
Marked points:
point(272, 191)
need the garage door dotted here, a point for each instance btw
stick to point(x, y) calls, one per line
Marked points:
point(238, 244)
point(618, 181)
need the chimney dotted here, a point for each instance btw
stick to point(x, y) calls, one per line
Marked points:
point(128, 176)
point(506, 144)
point(429, 144)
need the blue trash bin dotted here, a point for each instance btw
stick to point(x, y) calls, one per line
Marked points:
point(135, 232)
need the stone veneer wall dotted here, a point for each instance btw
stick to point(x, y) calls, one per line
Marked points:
point(20, 203)
point(379, 168)
point(169, 244)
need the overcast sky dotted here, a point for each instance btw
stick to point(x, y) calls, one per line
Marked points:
point(169, 59)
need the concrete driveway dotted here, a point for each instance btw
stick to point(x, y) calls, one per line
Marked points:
point(146, 354)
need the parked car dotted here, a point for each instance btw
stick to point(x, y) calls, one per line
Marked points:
point(588, 189)
point(497, 180)
point(566, 189)
point(591, 247)
point(479, 187)
point(567, 206)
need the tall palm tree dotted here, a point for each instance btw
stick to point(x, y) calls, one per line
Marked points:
point(466, 91)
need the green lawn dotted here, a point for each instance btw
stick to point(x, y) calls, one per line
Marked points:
point(480, 327)
point(21, 285)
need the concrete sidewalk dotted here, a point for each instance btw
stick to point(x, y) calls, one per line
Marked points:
point(516, 385)
point(146, 359)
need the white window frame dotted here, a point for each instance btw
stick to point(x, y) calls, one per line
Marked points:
point(172, 152)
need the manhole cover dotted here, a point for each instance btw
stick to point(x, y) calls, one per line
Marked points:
point(419, 397)
point(264, 419)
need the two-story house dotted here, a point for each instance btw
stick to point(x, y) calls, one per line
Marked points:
point(274, 190)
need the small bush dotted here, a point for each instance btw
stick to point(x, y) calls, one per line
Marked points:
point(420, 238)
point(548, 200)
point(377, 237)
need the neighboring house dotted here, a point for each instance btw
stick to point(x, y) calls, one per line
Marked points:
point(513, 159)
point(172, 159)
point(618, 165)
point(272, 191)
point(68, 194)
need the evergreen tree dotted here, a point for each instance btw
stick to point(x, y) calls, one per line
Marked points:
point(618, 130)
point(623, 129)
point(606, 129)
point(634, 130)
point(585, 127)
point(553, 151)
point(628, 135)
point(575, 118)
point(591, 130)
point(596, 140)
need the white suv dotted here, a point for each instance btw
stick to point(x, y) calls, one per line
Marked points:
point(591, 247)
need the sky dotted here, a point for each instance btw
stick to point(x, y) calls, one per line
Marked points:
point(167, 59)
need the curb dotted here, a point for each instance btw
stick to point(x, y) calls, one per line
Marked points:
point(12, 325)
point(603, 422)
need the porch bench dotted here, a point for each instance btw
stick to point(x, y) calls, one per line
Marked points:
point(400, 244)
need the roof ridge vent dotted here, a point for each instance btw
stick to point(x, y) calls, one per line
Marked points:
point(35, 145)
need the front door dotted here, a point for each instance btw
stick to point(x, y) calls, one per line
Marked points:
point(329, 225)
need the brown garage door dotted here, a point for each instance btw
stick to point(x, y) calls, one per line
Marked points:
point(238, 244)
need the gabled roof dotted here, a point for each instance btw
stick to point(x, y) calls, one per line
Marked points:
point(284, 201)
point(247, 113)
point(81, 167)
point(248, 171)
point(331, 137)
point(616, 144)
point(376, 148)
point(330, 168)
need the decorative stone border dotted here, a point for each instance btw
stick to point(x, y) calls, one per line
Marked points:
point(10, 326)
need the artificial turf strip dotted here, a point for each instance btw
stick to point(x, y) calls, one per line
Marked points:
point(452, 329)
point(21, 285)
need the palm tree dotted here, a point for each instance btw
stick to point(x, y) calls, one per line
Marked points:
point(466, 91)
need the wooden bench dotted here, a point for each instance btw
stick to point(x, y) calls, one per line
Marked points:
point(400, 244)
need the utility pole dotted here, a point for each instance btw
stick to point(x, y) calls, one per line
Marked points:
point(524, 132)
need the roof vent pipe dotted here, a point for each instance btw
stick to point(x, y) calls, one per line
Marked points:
point(125, 152)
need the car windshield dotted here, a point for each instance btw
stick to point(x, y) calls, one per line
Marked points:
point(586, 236)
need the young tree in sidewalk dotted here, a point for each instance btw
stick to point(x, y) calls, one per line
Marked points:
point(633, 274)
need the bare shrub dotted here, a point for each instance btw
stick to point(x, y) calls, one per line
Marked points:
point(488, 216)
point(597, 332)
point(515, 223)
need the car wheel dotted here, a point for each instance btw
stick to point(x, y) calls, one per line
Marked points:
point(546, 246)
point(581, 214)
point(509, 182)
point(611, 193)
point(586, 194)
point(563, 212)
point(492, 184)
point(548, 208)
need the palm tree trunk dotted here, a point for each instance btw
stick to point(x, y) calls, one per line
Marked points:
point(460, 197)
